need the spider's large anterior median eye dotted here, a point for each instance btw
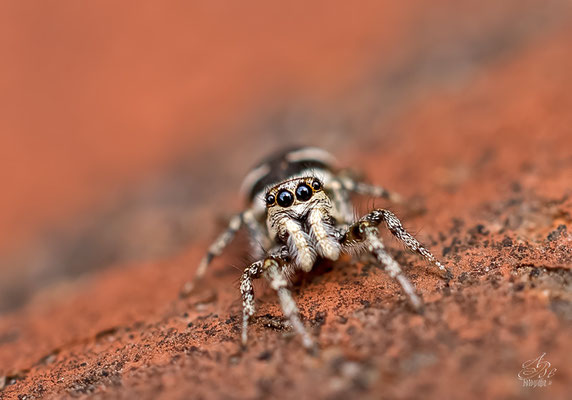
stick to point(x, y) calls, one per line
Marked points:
point(303, 192)
point(285, 198)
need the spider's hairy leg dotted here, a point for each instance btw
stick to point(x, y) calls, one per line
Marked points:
point(271, 269)
point(260, 242)
point(278, 282)
point(214, 250)
point(396, 228)
point(365, 232)
point(366, 189)
point(253, 271)
point(341, 200)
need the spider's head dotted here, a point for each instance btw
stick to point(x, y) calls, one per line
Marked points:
point(299, 213)
point(294, 198)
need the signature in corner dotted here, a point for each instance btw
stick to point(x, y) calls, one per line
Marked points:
point(536, 372)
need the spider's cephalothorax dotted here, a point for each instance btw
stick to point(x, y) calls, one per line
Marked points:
point(299, 209)
point(299, 214)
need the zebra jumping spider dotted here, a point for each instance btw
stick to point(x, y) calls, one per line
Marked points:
point(299, 210)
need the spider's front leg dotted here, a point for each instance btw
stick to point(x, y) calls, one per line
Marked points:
point(396, 228)
point(365, 232)
point(253, 271)
point(272, 269)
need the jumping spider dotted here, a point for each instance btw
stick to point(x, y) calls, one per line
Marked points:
point(299, 209)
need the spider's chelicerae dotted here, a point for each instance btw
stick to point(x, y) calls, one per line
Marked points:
point(299, 209)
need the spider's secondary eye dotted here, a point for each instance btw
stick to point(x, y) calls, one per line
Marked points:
point(303, 192)
point(285, 198)
point(316, 184)
point(270, 199)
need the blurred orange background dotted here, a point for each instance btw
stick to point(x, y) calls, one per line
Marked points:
point(111, 107)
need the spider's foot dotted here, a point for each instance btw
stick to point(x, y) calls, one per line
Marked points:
point(444, 272)
point(187, 289)
point(313, 350)
point(416, 304)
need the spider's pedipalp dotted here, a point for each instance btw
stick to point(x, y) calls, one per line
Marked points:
point(323, 234)
point(300, 245)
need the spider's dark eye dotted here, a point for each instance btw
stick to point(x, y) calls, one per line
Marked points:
point(303, 192)
point(270, 199)
point(316, 184)
point(285, 198)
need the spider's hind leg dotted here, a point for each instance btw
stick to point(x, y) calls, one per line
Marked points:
point(351, 185)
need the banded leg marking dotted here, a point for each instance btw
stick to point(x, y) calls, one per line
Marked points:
point(396, 228)
point(376, 247)
point(271, 269)
point(341, 199)
point(247, 291)
point(278, 282)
